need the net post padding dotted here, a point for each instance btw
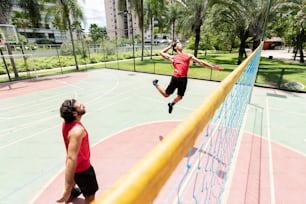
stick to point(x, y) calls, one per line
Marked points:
point(144, 181)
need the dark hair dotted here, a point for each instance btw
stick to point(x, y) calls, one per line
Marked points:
point(174, 45)
point(67, 109)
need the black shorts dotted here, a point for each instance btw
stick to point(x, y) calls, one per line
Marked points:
point(177, 82)
point(87, 181)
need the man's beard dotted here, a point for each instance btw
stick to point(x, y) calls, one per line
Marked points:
point(81, 112)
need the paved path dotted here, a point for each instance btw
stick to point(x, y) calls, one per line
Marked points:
point(283, 54)
point(31, 146)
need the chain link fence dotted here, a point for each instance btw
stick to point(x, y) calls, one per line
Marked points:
point(33, 61)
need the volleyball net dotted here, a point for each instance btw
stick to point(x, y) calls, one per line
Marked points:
point(220, 116)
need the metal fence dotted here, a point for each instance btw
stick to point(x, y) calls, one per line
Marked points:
point(111, 56)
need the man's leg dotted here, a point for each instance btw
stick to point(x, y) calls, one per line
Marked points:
point(175, 100)
point(89, 199)
point(160, 89)
point(88, 184)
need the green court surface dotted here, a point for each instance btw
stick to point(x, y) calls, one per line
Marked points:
point(32, 151)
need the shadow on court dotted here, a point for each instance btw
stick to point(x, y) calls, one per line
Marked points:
point(126, 117)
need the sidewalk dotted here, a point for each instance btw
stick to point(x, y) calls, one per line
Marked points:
point(284, 54)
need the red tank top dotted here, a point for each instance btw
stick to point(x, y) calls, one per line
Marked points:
point(83, 162)
point(181, 64)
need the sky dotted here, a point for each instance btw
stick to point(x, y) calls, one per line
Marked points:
point(94, 12)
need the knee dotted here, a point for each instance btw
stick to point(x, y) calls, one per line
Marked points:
point(165, 94)
point(89, 199)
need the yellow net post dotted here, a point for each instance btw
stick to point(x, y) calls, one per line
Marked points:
point(145, 180)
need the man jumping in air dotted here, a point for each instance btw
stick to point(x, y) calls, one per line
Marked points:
point(180, 62)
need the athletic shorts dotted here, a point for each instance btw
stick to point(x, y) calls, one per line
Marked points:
point(87, 181)
point(179, 83)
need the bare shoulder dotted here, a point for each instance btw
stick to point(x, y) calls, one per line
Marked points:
point(77, 131)
point(190, 55)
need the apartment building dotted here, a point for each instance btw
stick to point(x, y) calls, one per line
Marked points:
point(120, 23)
point(45, 33)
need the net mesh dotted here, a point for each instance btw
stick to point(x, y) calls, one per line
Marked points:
point(205, 175)
point(206, 171)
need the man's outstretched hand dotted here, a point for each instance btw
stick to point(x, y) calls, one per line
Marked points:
point(217, 67)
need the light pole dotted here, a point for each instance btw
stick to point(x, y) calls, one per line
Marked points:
point(125, 12)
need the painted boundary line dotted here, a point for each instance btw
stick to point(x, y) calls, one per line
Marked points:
point(230, 176)
point(272, 189)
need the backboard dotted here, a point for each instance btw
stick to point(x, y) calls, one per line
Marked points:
point(8, 34)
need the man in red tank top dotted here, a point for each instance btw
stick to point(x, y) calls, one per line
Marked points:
point(78, 167)
point(180, 63)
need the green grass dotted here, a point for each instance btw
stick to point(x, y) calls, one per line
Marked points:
point(271, 72)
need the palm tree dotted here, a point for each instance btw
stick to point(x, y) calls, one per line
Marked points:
point(20, 20)
point(152, 10)
point(138, 7)
point(174, 14)
point(297, 9)
point(195, 12)
point(246, 19)
point(31, 10)
point(96, 33)
point(63, 12)
point(76, 26)
point(5, 10)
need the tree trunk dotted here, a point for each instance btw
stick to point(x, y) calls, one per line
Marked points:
point(197, 30)
point(173, 30)
point(196, 42)
point(152, 34)
point(5, 8)
point(73, 46)
point(142, 31)
point(300, 46)
point(243, 37)
point(66, 12)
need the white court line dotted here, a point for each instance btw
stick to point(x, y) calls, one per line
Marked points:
point(42, 101)
point(233, 164)
point(54, 97)
point(94, 145)
point(27, 137)
point(8, 131)
point(272, 189)
point(163, 102)
point(280, 144)
point(114, 103)
point(68, 84)
point(15, 106)
point(285, 111)
point(25, 115)
point(109, 91)
point(190, 172)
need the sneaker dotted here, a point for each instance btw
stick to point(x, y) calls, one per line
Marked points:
point(170, 105)
point(155, 82)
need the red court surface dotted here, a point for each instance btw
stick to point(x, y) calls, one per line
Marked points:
point(17, 88)
point(114, 156)
point(263, 172)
